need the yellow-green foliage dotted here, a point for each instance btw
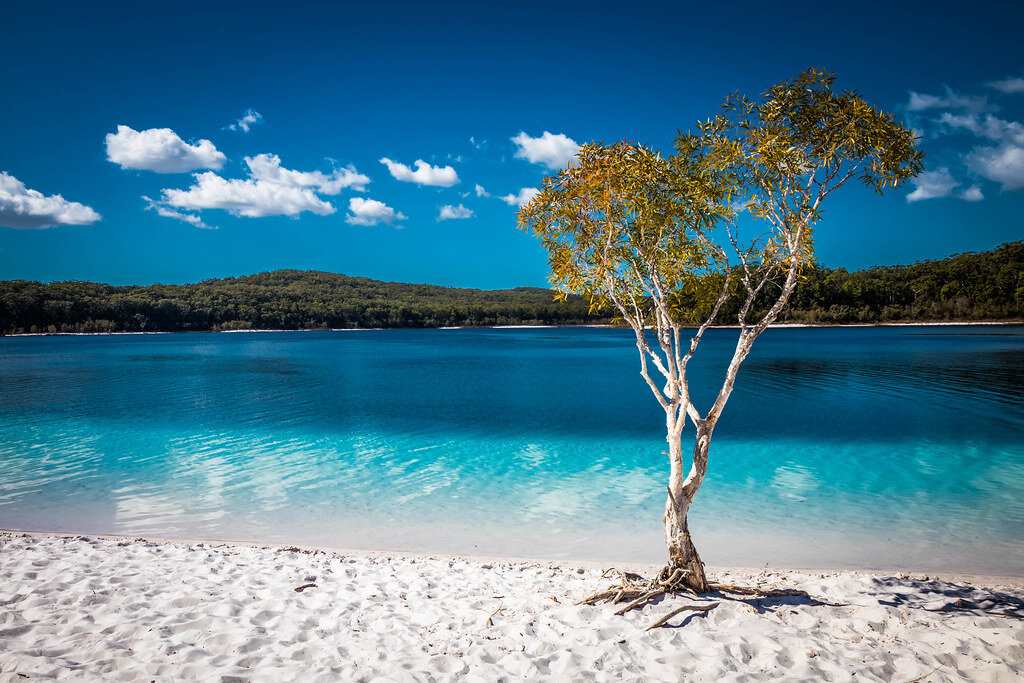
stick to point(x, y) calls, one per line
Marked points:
point(624, 223)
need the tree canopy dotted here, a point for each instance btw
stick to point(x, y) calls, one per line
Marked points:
point(656, 240)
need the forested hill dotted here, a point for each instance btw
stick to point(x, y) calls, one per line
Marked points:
point(282, 299)
point(984, 286)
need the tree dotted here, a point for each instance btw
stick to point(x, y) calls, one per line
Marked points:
point(657, 240)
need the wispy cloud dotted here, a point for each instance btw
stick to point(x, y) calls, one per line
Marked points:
point(972, 194)
point(1008, 85)
point(22, 208)
point(249, 119)
point(1003, 164)
point(371, 212)
point(449, 212)
point(987, 126)
point(553, 151)
point(190, 218)
point(481, 192)
point(425, 174)
point(974, 104)
point(160, 150)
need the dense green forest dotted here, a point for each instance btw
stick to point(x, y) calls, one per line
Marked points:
point(982, 286)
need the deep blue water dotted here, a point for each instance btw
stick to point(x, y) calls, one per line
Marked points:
point(898, 447)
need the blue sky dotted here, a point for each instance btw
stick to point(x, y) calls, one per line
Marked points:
point(338, 87)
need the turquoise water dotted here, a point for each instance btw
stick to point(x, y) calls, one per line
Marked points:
point(854, 447)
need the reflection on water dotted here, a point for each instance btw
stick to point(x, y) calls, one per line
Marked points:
point(857, 447)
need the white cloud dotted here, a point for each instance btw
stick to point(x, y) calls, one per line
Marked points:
point(940, 183)
point(250, 118)
point(448, 212)
point(270, 190)
point(268, 167)
point(22, 208)
point(932, 185)
point(972, 194)
point(160, 150)
point(554, 151)
point(425, 174)
point(249, 197)
point(988, 126)
point(521, 199)
point(190, 218)
point(971, 103)
point(481, 192)
point(1003, 164)
point(740, 205)
point(371, 212)
point(1008, 85)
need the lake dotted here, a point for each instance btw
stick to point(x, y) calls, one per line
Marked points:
point(864, 447)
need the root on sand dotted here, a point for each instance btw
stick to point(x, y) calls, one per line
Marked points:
point(636, 592)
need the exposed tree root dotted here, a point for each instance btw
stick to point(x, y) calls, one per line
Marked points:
point(669, 581)
point(685, 608)
point(759, 592)
point(639, 592)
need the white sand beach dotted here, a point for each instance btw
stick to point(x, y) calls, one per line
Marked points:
point(90, 608)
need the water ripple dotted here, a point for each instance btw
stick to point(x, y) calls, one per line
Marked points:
point(504, 441)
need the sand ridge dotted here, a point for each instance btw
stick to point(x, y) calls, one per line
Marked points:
point(88, 608)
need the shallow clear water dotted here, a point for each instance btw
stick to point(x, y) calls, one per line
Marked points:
point(854, 447)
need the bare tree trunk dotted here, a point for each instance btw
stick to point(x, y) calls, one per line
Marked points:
point(682, 555)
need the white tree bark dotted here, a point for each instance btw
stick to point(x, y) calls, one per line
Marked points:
point(669, 357)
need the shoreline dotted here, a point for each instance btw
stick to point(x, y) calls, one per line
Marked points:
point(129, 609)
point(986, 579)
point(943, 323)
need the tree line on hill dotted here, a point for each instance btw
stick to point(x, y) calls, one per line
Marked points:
point(971, 286)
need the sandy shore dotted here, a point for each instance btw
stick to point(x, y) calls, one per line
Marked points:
point(92, 608)
point(936, 323)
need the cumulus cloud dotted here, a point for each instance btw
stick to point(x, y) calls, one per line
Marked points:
point(1003, 164)
point(249, 197)
point(268, 167)
point(160, 150)
point(425, 174)
point(270, 190)
point(932, 185)
point(940, 183)
point(974, 104)
point(371, 212)
point(449, 212)
point(22, 208)
point(1008, 85)
point(521, 199)
point(554, 151)
point(481, 192)
point(250, 118)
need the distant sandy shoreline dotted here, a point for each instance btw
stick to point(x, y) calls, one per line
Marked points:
point(113, 608)
point(514, 327)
